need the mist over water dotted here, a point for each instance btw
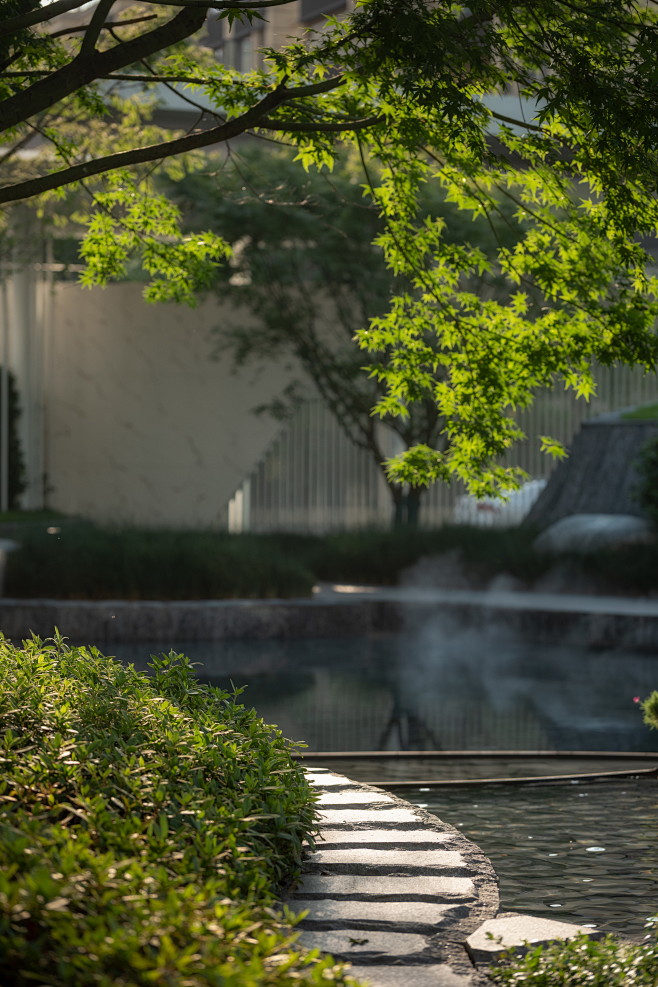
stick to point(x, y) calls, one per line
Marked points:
point(509, 686)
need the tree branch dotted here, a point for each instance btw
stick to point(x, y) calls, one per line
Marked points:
point(140, 155)
point(255, 117)
point(11, 25)
point(220, 4)
point(82, 71)
point(516, 123)
point(95, 27)
point(66, 31)
point(328, 126)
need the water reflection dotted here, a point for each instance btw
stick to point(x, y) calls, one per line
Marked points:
point(439, 687)
point(584, 853)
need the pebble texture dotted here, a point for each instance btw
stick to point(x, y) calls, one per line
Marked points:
point(392, 889)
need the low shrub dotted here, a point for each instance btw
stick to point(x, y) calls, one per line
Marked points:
point(146, 825)
point(379, 557)
point(83, 561)
point(584, 962)
point(79, 560)
point(650, 710)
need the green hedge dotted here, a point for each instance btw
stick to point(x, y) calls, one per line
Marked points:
point(584, 962)
point(82, 561)
point(146, 826)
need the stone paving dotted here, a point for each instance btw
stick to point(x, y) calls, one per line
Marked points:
point(403, 897)
point(392, 890)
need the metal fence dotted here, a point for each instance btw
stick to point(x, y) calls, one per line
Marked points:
point(313, 479)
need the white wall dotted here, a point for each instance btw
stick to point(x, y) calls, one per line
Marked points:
point(141, 426)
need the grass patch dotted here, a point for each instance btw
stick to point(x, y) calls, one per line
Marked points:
point(146, 826)
point(645, 411)
point(584, 962)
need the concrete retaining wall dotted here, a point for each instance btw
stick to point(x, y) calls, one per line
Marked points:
point(603, 622)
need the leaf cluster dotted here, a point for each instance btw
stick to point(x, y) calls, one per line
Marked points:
point(413, 86)
point(146, 824)
point(584, 962)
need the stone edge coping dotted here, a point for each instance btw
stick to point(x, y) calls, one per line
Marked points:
point(327, 614)
point(392, 889)
point(403, 896)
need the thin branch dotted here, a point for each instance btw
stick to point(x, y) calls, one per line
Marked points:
point(251, 118)
point(96, 25)
point(516, 123)
point(221, 4)
point(106, 27)
point(82, 71)
point(18, 146)
point(115, 77)
point(11, 25)
point(326, 127)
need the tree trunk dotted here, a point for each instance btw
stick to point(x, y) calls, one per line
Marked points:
point(406, 509)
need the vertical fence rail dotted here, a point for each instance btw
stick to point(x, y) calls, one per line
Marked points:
point(313, 479)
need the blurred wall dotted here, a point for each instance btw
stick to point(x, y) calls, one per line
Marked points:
point(141, 425)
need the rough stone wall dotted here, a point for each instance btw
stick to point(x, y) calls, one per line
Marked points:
point(599, 476)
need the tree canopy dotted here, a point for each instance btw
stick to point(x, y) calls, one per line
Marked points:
point(549, 104)
point(307, 274)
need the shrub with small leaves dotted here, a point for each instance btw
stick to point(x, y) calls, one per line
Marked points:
point(146, 826)
point(650, 710)
point(584, 962)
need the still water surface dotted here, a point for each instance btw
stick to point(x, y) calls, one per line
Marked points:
point(584, 853)
point(439, 688)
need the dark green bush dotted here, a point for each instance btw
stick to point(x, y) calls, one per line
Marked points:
point(146, 825)
point(379, 557)
point(583, 962)
point(84, 561)
point(646, 492)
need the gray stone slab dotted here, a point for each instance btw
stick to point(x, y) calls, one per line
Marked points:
point(415, 916)
point(520, 932)
point(346, 943)
point(354, 796)
point(375, 817)
point(409, 888)
point(392, 837)
point(329, 780)
point(406, 975)
point(393, 861)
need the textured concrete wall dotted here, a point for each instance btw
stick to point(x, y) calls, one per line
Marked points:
point(600, 475)
point(141, 425)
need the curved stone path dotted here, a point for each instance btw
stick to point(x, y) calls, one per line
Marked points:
point(392, 889)
point(402, 896)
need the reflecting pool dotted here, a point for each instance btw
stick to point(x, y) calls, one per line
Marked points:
point(438, 688)
point(585, 853)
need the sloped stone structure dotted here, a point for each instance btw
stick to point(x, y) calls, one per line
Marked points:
point(599, 476)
